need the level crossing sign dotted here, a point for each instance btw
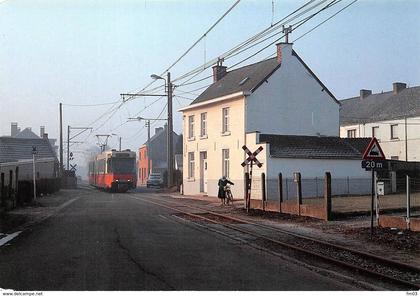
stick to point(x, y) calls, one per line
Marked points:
point(373, 151)
point(252, 156)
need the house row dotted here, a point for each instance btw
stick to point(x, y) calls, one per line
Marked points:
point(279, 104)
point(393, 117)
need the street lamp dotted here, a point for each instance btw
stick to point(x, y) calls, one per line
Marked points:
point(169, 155)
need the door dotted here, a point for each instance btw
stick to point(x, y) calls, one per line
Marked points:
point(203, 172)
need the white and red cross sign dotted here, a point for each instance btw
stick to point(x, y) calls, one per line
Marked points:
point(252, 156)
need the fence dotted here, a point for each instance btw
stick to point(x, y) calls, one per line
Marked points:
point(314, 187)
point(407, 200)
point(15, 192)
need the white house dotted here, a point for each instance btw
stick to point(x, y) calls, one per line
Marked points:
point(279, 96)
point(392, 117)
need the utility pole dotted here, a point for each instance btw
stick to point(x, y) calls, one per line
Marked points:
point(148, 147)
point(120, 143)
point(170, 157)
point(406, 141)
point(68, 147)
point(61, 140)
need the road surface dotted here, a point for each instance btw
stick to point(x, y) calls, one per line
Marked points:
point(105, 241)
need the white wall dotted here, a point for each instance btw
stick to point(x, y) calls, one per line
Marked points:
point(292, 103)
point(392, 147)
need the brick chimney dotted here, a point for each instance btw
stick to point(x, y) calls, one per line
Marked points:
point(41, 131)
point(14, 129)
point(364, 93)
point(398, 86)
point(284, 50)
point(219, 71)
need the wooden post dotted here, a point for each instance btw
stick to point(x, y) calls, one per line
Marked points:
point(327, 196)
point(298, 179)
point(10, 197)
point(280, 187)
point(2, 193)
point(263, 191)
point(16, 183)
point(246, 188)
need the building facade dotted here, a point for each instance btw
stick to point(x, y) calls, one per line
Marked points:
point(154, 154)
point(276, 96)
point(392, 117)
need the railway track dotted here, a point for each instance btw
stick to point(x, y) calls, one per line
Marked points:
point(272, 238)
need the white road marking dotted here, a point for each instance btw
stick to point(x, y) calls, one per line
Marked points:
point(8, 238)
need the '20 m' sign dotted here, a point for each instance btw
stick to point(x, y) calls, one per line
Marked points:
point(372, 164)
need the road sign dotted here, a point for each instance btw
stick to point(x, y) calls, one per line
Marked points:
point(373, 151)
point(373, 164)
point(73, 167)
point(252, 156)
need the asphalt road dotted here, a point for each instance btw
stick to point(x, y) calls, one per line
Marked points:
point(105, 241)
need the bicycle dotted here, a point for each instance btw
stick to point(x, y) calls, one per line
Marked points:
point(228, 195)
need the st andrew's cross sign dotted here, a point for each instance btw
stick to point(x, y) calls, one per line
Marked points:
point(252, 156)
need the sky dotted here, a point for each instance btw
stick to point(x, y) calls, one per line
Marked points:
point(90, 51)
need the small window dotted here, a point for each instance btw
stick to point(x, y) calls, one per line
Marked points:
point(351, 133)
point(394, 157)
point(225, 120)
point(203, 128)
point(394, 131)
point(375, 132)
point(191, 165)
point(191, 127)
point(225, 162)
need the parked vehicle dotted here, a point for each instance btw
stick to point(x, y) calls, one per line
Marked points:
point(114, 170)
point(154, 180)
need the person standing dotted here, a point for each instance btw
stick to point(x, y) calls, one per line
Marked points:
point(222, 194)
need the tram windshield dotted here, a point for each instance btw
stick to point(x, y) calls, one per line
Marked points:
point(121, 165)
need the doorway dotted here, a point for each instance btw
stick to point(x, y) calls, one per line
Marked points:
point(203, 171)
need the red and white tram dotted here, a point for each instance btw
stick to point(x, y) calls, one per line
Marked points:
point(114, 170)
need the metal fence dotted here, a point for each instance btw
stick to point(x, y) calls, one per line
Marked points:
point(314, 187)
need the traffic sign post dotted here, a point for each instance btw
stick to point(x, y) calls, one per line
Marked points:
point(251, 159)
point(373, 160)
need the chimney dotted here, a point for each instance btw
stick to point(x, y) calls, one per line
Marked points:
point(219, 71)
point(14, 129)
point(398, 86)
point(45, 136)
point(283, 50)
point(364, 93)
point(42, 131)
point(158, 129)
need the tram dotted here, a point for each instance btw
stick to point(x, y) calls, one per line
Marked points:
point(114, 171)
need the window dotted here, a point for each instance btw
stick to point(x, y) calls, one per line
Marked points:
point(351, 133)
point(203, 128)
point(225, 162)
point(191, 127)
point(394, 131)
point(394, 157)
point(190, 165)
point(225, 120)
point(375, 132)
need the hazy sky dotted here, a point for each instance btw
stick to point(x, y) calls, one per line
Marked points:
point(90, 51)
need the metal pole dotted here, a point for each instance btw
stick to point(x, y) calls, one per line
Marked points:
point(170, 131)
point(371, 203)
point(120, 143)
point(68, 147)
point(148, 149)
point(406, 141)
point(61, 140)
point(408, 196)
point(34, 174)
